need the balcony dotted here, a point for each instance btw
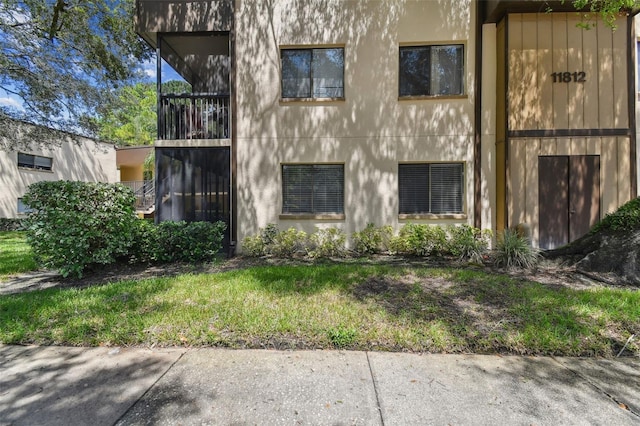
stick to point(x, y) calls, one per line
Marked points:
point(193, 116)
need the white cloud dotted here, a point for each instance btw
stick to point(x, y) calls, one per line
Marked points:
point(12, 103)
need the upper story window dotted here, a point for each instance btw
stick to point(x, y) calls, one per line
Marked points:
point(314, 73)
point(313, 188)
point(436, 70)
point(431, 188)
point(37, 162)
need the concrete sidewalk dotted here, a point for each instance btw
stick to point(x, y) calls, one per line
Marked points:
point(106, 386)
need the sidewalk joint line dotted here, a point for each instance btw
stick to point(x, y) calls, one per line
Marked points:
point(598, 388)
point(375, 388)
point(151, 387)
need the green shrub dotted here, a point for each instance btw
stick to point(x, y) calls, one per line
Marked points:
point(515, 250)
point(625, 219)
point(287, 243)
point(73, 225)
point(253, 246)
point(420, 240)
point(468, 243)
point(372, 240)
point(145, 246)
point(9, 224)
point(329, 242)
point(188, 242)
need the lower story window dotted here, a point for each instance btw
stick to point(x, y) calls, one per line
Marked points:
point(435, 188)
point(313, 188)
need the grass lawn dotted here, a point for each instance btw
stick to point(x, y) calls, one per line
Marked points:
point(15, 254)
point(351, 306)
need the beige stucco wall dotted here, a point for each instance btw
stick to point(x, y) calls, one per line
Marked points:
point(74, 158)
point(371, 131)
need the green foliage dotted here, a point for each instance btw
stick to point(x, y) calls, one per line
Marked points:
point(329, 242)
point(253, 246)
point(9, 224)
point(341, 337)
point(468, 243)
point(625, 219)
point(371, 239)
point(515, 250)
point(64, 57)
point(420, 240)
point(272, 241)
point(607, 10)
point(187, 242)
point(76, 224)
point(146, 245)
point(131, 118)
point(287, 243)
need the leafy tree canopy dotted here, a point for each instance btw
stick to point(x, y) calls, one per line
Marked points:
point(607, 10)
point(63, 58)
point(130, 117)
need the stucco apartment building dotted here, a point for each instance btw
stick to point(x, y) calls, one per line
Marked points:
point(35, 154)
point(317, 113)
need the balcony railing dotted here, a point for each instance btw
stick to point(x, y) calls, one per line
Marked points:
point(145, 193)
point(193, 116)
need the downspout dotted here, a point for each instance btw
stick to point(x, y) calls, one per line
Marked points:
point(632, 103)
point(233, 234)
point(477, 137)
point(159, 123)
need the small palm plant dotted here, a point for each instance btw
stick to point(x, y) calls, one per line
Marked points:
point(514, 250)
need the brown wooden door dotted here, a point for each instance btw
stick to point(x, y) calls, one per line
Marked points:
point(569, 197)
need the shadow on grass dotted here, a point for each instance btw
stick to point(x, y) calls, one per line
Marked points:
point(476, 311)
point(98, 315)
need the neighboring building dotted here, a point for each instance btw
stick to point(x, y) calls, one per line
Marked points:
point(340, 113)
point(57, 156)
point(131, 167)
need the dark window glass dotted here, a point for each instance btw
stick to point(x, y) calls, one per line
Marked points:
point(314, 189)
point(431, 70)
point(313, 73)
point(436, 188)
point(34, 161)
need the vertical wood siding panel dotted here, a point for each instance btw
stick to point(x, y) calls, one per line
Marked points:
point(620, 94)
point(624, 170)
point(590, 87)
point(545, 68)
point(531, 95)
point(578, 146)
point(518, 170)
point(593, 146)
point(575, 105)
point(608, 175)
point(560, 92)
point(605, 76)
point(515, 89)
point(563, 146)
point(531, 215)
point(548, 146)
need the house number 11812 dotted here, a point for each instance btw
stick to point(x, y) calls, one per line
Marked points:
point(568, 77)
